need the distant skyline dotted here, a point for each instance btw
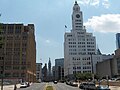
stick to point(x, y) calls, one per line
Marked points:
point(101, 17)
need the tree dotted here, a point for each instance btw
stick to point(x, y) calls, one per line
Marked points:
point(83, 76)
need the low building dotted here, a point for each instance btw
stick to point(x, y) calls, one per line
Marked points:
point(109, 66)
point(38, 72)
point(59, 69)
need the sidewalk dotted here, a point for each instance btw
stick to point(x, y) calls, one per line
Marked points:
point(114, 87)
point(10, 87)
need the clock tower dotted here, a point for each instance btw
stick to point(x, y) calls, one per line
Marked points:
point(77, 18)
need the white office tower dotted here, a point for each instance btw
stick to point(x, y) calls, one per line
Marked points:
point(80, 54)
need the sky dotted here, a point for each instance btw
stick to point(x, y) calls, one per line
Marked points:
point(101, 17)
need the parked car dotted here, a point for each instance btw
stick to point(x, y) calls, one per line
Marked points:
point(23, 85)
point(75, 84)
point(28, 84)
point(55, 82)
point(87, 85)
point(68, 82)
point(6, 83)
point(102, 88)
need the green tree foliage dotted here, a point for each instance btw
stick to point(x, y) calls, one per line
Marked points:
point(83, 76)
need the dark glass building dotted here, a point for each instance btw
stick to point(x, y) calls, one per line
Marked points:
point(118, 40)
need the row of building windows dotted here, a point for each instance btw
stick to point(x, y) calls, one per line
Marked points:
point(81, 42)
point(82, 50)
point(14, 74)
point(90, 42)
point(79, 29)
point(78, 26)
point(85, 67)
point(80, 32)
point(69, 35)
point(71, 39)
point(87, 63)
point(72, 46)
point(77, 67)
point(77, 20)
point(88, 71)
point(79, 39)
point(78, 23)
point(16, 44)
point(84, 58)
point(81, 36)
point(15, 68)
point(72, 42)
point(72, 50)
point(81, 46)
point(81, 53)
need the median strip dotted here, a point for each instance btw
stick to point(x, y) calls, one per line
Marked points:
point(49, 88)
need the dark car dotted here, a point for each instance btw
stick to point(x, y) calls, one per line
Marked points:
point(55, 82)
point(73, 83)
point(102, 88)
point(87, 86)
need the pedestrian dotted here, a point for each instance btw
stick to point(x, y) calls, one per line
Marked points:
point(15, 87)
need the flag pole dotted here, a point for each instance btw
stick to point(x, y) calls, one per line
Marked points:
point(65, 28)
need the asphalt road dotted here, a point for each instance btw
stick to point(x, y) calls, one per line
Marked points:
point(35, 86)
point(63, 86)
point(58, 86)
point(41, 86)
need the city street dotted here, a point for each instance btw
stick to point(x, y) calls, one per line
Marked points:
point(63, 86)
point(35, 86)
point(58, 86)
point(41, 86)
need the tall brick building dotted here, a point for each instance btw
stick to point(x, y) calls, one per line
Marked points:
point(18, 52)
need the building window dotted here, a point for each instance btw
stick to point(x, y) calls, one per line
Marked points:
point(15, 74)
point(7, 74)
point(7, 67)
point(17, 31)
point(15, 67)
point(69, 35)
point(22, 74)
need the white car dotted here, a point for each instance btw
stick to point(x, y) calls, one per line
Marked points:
point(23, 85)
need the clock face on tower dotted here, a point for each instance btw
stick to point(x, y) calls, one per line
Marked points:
point(77, 16)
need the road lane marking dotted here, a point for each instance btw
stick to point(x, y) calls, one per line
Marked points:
point(54, 88)
point(45, 86)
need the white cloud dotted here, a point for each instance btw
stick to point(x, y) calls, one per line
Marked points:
point(47, 41)
point(104, 23)
point(51, 43)
point(95, 2)
point(84, 2)
point(105, 3)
